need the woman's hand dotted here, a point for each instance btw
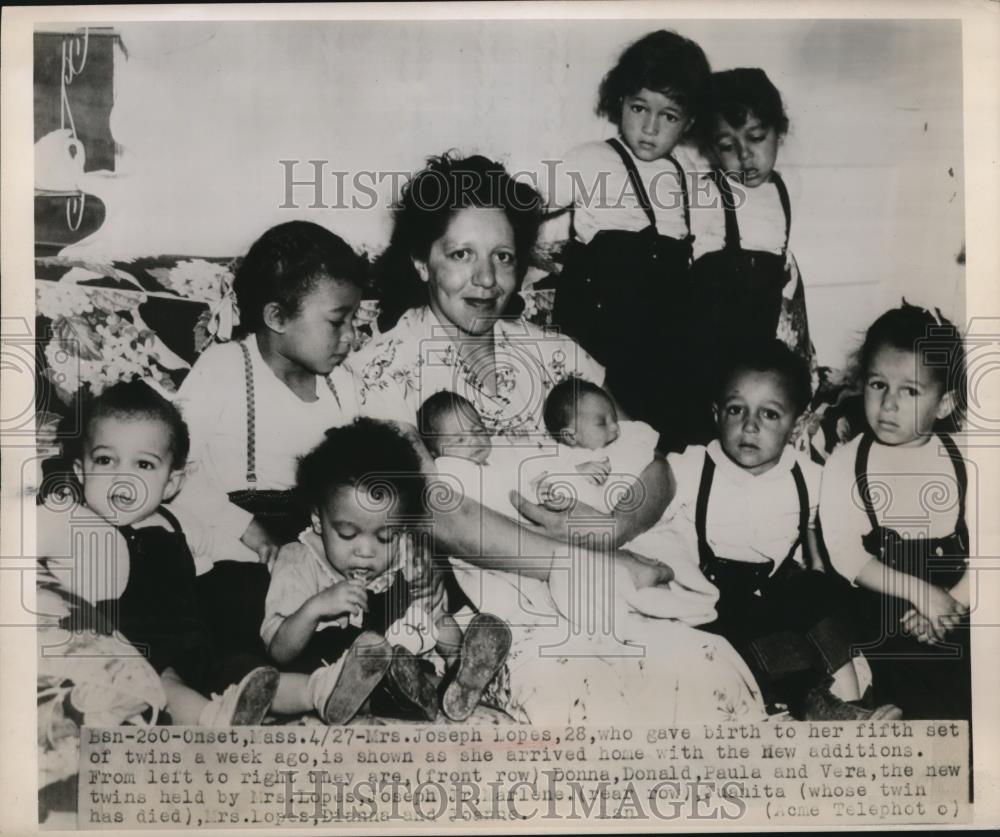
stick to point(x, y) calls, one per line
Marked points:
point(555, 522)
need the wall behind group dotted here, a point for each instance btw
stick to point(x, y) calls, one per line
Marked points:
point(204, 112)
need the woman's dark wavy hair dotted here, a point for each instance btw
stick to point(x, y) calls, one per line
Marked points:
point(738, 94)
point(662, 61)
point(427, 205)
point(283, 265)
point(936, 340)
point(367, 454)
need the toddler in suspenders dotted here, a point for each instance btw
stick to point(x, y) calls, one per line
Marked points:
point(752, 516)
point(904, 549)
point(622, 293)
point(745, 286)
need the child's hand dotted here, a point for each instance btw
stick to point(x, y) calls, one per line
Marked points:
point(918, 626)
point(346, 598)
point(255, 537)
point(941, 610)
point(596, 471)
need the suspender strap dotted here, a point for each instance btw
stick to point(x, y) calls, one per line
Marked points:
point(251, 417)
point(728, 210)
point(169, 515)
point(640, 189)
point(861, 478)
point(635, 180)
point(961, 475)
point(252, 412)
point(786, 206)
point(803, 492)
point(684, 192)
point(705, 554)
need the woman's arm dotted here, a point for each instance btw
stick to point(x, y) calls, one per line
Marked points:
point(489, 540)
point(635, 513)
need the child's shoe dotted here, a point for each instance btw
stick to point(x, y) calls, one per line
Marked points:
point(243, 704)
point(406, 693)
point(822, 705)
point(484, 651)
point(338, 691)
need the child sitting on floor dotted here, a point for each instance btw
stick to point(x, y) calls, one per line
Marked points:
point(134, 563)
point(749, 501)
point(356, 577)
point(904, 546)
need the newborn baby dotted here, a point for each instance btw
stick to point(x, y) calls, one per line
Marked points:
point(597, 460)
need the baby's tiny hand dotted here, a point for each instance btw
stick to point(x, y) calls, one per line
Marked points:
point(597, 470)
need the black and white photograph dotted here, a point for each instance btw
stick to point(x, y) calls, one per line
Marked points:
point(499, 418)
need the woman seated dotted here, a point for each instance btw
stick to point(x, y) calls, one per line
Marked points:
point(463, 234)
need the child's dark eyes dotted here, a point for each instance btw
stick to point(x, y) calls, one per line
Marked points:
point(505, 258)
point(771, 415)
point(102, 460)
point(734, 410)
point(876, 385)
point(145, 465)
point(460, 255)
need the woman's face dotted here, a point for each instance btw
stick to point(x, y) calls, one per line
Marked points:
point(471, 271)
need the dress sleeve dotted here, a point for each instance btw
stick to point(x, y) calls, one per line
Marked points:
point(842, 519)
point(291, 587)
point(210, 385)
point(381, 381)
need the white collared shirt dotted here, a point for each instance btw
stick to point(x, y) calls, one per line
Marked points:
point(213, 401)
point(749, 518)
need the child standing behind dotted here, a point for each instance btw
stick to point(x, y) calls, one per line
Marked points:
point(748, 502)
point(745, 281)
point(893, 512)
point(350, 580)
point(621, 293)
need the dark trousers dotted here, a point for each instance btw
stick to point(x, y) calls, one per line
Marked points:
point(793, 636)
